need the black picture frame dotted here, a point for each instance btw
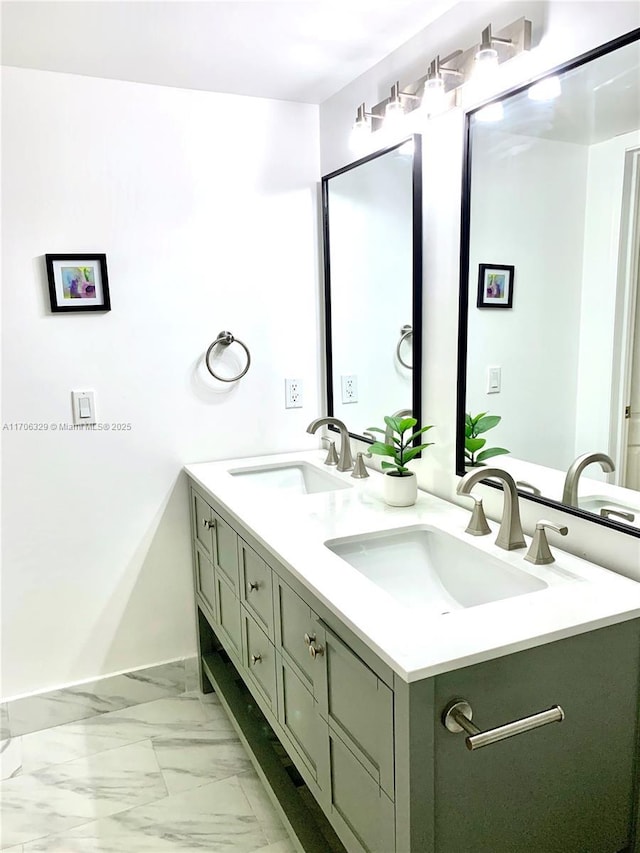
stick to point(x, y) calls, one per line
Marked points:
point(495, 286)
point(78, 282)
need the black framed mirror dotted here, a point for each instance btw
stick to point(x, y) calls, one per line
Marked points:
point(551, 235)
point(372, 230)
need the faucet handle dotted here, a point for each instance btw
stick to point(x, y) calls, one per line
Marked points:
point(359, 469)
point(478, 525)
point(332, 456)
point(539, 552)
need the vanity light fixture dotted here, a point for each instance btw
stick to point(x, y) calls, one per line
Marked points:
point(440, 88)
point(361, 130)
point(433, 94)
point(394, 110)
point(486, 59)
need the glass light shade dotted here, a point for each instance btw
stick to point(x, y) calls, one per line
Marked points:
point(393, 115)
point(433, 96)
point(486, 62)
point(545, 90)
point(360, 135)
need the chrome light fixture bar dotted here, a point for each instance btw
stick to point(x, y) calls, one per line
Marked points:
point(436, 91)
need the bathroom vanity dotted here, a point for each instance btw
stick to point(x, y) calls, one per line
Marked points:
point(345, 669)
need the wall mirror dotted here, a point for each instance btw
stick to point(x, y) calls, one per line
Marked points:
point(372, 220)
point(549, 311)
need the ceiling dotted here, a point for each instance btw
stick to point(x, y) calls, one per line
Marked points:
point(298, 50)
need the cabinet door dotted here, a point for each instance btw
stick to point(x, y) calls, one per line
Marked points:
point(359, 707)
point(361, 812)
point(202, 520)
point(307, 732)
point(225, 551)
point(297, 627)
point(564, 788)
point(205, 581)
point(228, 618)
point(259, 659)
point(256, 587)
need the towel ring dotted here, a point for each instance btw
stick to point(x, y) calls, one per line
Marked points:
point(405, 332)
point(224, 339)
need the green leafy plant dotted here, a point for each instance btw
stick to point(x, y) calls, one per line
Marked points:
point(474, 426)
point(401, 450)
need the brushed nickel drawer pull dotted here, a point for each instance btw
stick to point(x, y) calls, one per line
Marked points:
point(316, 650)
point(253, 586)
point(309, 638)
point(256, 659)
point(458, 714)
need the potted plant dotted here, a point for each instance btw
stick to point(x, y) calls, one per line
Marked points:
point(475, 456)
point(400, 486)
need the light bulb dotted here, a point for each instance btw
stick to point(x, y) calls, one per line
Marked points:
point(545, 90)
point(486, 62)
point(393, 115)
point(433, 96)
point(360, 135)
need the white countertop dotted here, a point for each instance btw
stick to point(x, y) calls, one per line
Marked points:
point(413, 643)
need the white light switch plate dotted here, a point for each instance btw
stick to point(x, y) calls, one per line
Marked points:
point(83, 404)
point(494, 380)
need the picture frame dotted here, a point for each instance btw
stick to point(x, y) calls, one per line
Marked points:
point(78, 282)
point(495, 286)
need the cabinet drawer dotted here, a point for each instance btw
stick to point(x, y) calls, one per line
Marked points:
point(359, 707)
point(298, 716)
point(256, 587)
point(259, 659)
point(360, 810)
point(228, 617)
point(296, 623)
point(225, 551)
point(205, 580)
point(202, 521)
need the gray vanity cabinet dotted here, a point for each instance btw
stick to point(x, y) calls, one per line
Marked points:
point(372, 748)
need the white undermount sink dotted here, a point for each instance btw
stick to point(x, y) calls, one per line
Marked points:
point(422, 567)
point(294, 477)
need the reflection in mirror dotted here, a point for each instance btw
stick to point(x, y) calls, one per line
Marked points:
point(549, 287)
point(373, 270)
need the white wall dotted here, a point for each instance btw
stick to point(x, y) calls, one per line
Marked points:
point(542, 239)
point(206, 208)
point(561, 31)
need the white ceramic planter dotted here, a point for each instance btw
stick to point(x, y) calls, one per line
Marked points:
point(400, 491)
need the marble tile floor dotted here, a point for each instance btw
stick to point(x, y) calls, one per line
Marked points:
point(165, 775)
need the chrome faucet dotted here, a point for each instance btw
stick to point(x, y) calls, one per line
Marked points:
point(570, 491)
point(345, 460)
point(510, 534)
point(388, 433)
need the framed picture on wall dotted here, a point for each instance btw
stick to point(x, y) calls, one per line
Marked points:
point(495, 286)
point(78, 282)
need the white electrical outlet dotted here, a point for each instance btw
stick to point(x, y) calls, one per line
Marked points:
point(349, 389)
point(293, 393)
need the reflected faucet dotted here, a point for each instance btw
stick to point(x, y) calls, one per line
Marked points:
point(570, 491)
point(401, 413)
point(510, 534)
point(345, 460)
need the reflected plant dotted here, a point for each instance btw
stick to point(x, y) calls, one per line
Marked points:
point(475, 456)
point(401, 451)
